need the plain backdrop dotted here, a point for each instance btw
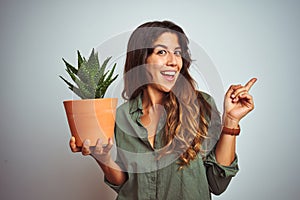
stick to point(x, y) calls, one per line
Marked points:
point(243, 39)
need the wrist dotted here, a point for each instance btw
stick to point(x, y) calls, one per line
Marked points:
point(103, 159)
point(230, 123)
point(231, 131)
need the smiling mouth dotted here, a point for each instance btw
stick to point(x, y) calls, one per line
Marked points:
point(169, 75)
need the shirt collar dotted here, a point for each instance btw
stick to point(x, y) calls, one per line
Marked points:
point(136, 104)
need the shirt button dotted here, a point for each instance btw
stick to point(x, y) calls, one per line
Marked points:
point(153, 178)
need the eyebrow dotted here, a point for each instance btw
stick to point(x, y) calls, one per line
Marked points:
point(164, 46)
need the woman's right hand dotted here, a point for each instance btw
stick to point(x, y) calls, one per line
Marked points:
point(111, 170)
point(100, 152)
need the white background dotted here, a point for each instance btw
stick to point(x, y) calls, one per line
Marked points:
point(244, 39)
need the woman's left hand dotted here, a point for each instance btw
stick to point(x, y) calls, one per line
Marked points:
point(237, 103)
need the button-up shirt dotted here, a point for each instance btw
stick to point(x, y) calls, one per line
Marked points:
point(153, 177)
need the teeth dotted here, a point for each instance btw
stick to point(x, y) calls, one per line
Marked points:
point(169, 73)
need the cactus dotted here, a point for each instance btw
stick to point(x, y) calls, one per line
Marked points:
point(91, 80)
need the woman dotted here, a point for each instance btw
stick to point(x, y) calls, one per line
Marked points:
point(164, 130)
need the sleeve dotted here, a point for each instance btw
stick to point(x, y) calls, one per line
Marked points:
point(116, 188)
point(219, 176)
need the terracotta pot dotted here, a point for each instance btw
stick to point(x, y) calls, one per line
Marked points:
point(91, 119)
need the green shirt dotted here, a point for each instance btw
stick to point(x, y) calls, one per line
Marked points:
point(160, 179)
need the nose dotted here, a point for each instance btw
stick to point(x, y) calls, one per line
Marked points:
point(171, 60)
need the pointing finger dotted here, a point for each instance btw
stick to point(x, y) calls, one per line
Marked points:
point(250, 83)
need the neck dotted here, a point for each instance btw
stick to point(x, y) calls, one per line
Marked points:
point(152, 97)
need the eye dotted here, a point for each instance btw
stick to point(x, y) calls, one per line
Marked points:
point(162, 52)
point(178, 53)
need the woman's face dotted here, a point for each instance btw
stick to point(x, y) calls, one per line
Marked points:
point(165, 63)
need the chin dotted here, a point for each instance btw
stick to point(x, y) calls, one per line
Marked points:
point(167, 88)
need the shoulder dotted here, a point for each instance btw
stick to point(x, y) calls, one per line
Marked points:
point(122, 111)
point(205, 96)
point(208, 102)
point(123, 107)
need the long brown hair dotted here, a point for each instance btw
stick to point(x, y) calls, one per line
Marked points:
point(187, 111)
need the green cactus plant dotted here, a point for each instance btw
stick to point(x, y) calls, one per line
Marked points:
point(91, 80)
